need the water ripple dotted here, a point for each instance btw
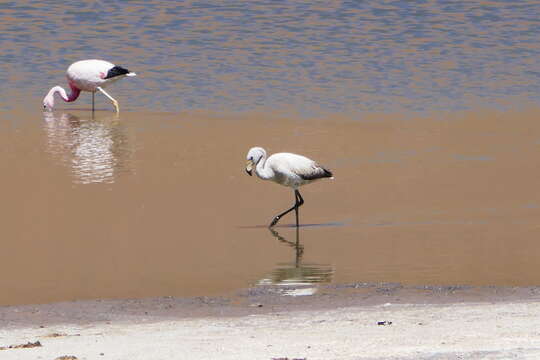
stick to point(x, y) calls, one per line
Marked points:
point(309, 57)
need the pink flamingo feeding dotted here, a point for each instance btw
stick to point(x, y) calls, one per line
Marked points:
point(88, 75)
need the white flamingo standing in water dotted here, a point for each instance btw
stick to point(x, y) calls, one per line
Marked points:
point(88, 75)
point(286, 169)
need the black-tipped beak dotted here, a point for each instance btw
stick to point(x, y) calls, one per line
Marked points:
point(249, 166)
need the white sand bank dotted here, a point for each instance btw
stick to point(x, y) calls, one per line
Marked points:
point(460, 331)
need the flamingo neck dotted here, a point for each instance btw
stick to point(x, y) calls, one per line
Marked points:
point(264, 172)
point(74, 94)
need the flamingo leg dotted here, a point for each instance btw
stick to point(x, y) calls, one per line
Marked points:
point(298, 201)
point(115, 103)
point(93, 95)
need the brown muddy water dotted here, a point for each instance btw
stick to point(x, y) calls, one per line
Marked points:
point(152, 204)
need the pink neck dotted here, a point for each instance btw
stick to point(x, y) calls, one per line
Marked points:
point(72, 96)
point(74, 93)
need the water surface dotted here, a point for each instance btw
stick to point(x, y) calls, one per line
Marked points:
point(302, 57)
point(426, 111)
point(152, 204)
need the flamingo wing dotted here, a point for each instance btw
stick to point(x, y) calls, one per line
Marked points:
point(116, 71)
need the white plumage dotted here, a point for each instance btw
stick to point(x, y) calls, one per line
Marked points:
point(88, 75)
point(286, 169)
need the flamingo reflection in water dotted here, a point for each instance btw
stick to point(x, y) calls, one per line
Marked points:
point(95, 149)
point(297, 273)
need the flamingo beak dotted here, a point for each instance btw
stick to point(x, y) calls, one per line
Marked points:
point(47, 105)
point(249, 167)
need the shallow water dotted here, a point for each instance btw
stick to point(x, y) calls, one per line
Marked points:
point(152, 204)
point(424, 110)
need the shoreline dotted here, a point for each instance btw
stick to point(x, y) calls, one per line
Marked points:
point(260, 300)
point(337, 321)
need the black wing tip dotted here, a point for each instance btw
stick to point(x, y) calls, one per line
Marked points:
point(318, 175)
point(327, 173)
point(116, 71)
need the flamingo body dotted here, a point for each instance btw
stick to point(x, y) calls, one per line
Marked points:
point(287, 169)
point(87, 75)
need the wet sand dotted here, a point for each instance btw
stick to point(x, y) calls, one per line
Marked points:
point(158, 204)
point(349, 321)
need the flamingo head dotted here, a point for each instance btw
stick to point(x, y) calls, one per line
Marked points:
point(254, 155)
point(48, 101)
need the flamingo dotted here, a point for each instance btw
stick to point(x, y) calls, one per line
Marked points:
point(88, 75)
point(286, 169)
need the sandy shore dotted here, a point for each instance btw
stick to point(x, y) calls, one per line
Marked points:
point(350, 322)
